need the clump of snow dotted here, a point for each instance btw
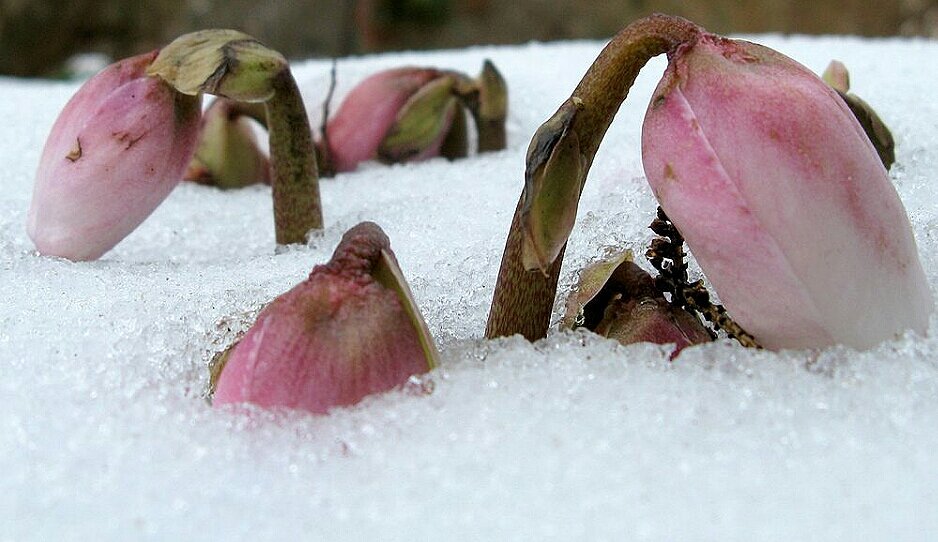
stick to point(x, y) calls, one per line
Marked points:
point(105, 435)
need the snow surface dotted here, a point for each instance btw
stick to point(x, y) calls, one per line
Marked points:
point(105, 434)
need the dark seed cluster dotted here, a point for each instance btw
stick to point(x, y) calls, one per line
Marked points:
point(666, 254)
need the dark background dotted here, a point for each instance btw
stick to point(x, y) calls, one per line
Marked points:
point(37, 37)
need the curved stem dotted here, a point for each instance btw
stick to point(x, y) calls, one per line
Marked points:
point(252, 110)
point(524, 299)
point(294, 175)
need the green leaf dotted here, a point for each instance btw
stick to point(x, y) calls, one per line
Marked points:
point(389, 275)
point(421, 122)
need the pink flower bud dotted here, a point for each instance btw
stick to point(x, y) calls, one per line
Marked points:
point(782, 199)
point(118, 148)
point(351, 329)
point(369, 112)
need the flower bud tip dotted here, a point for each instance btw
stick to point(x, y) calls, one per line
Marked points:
point(351, 329)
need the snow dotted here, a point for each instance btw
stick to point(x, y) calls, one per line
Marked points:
point(105, 434)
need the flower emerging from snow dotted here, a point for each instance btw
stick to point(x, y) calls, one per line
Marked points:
point(782, 199)
point(233, 65)
point(395, 115)
point(617, 299)
point(349, 330)
point(411, 114)
point(773, 182)
point(115, 152)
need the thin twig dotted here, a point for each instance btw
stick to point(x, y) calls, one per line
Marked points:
point(325, 160)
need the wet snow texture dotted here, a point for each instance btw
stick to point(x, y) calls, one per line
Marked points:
point(104, 433)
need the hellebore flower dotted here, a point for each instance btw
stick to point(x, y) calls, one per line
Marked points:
point(228, 154)
point(782, 199)
point(615, 298)
point(234, 65)
point(412, 114)
point(395, 115)
point(350, 330)
point(115, 152)
point(774, 184)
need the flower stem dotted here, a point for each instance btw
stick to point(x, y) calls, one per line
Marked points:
point(297, 208)
point(491, 134)
point(524, 299)
point(492, 108)
point(252, 110)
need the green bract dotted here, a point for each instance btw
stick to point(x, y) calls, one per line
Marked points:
point(224, 63)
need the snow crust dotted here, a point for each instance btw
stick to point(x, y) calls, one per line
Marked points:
point(105, 434)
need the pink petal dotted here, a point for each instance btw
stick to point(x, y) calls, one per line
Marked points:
point(782, 199)
point(369, 110)
point(330, 341)
point(113, 155)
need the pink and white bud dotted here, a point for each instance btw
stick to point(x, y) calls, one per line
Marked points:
point(350, 330)
point(782, 199)
point(115, 152)
point(369, 112)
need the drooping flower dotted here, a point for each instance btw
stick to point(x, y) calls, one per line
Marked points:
point(411, 114)
point(233, 65)
point(350, 330)
point(413, 107)
point(115, 152)
point(778, 190)
point(123, 141)
point(782, 199)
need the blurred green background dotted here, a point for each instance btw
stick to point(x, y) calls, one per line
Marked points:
point(38, 37)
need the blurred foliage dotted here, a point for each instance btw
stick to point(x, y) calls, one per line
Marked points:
point(36, 37)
